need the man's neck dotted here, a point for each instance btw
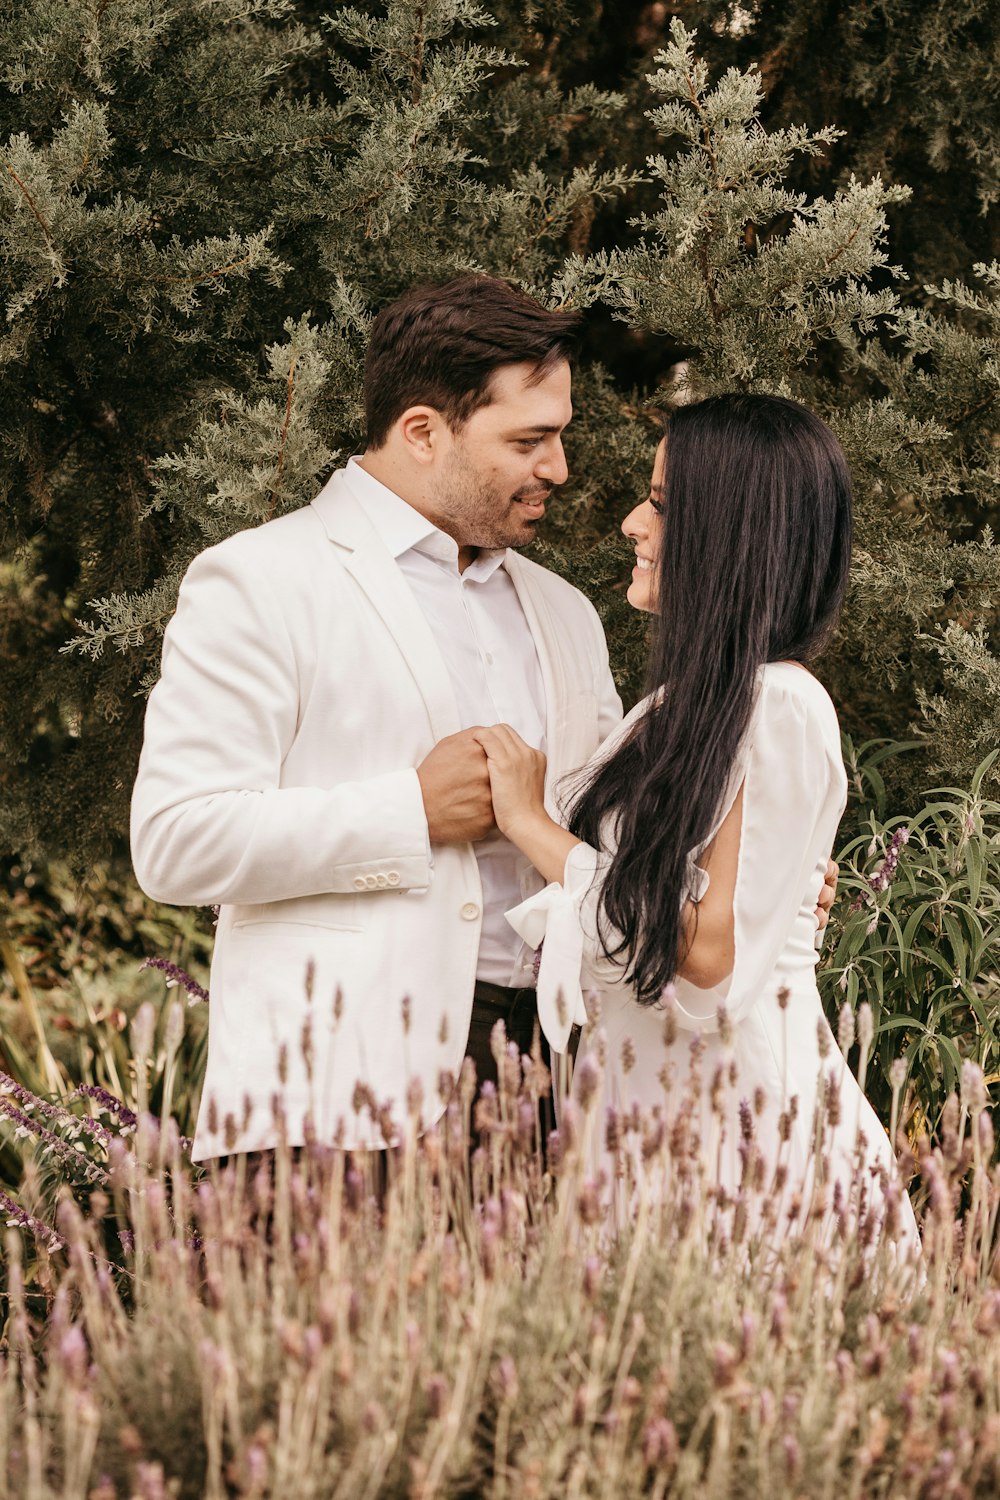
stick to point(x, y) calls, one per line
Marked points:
point(379, 464)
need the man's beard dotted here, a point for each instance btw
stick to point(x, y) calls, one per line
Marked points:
point(485, 515)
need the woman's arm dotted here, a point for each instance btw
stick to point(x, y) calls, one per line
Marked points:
point(517, 777)
point(709, 925)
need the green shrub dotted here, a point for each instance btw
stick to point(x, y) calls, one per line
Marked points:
point(916, 935)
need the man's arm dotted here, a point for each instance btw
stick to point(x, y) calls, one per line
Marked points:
point(210, 821)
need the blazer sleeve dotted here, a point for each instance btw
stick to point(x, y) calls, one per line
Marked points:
point(210, 821)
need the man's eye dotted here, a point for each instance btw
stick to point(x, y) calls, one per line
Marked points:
point(526, 443)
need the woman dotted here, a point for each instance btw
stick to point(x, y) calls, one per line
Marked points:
point(697, 843)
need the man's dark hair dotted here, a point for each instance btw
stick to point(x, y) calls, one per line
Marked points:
point(439, 346)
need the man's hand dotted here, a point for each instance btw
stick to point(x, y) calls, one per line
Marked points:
point(517, 776)
point(827, 895)
point(455, 785)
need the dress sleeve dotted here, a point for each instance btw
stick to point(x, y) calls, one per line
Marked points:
point(562, 920)
point(788, 773)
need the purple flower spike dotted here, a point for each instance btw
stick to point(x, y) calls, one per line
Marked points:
point(109, 1103)
point(883, 876)
point(176, 975)
point(880, 879)
point(19, 1218)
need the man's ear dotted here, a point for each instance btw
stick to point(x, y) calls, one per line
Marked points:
point(420, 430)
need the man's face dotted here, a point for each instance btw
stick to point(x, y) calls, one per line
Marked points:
point(496, 472)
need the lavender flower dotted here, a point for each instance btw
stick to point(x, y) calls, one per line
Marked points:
point(31, 1103)
point(17, 1217)
point(109, 1103)
point(974, 1095)
point(25, 1126)
point(881, 878)
point(176, 975)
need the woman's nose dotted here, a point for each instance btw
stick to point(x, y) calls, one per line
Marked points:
point(634, 525)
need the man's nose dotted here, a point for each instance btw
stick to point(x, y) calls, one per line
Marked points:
point(553, 466)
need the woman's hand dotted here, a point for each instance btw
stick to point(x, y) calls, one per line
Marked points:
point(517, 777)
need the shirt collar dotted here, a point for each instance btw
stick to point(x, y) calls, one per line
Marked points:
point(404, 529)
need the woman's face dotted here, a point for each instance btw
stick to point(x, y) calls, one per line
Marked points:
point(643, 527)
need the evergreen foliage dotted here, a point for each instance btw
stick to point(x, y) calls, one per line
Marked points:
point(204, 206)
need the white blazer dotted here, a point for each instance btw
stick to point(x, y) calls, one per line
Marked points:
point(300, 688)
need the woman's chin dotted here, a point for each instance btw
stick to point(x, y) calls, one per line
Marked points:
point(640, 594)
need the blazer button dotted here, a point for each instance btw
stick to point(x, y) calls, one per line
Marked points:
point(392, 878)
point(381, 882)
point(359, 882)
point(470, 911)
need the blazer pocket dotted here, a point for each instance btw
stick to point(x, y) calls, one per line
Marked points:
point(334, 912)
point(276, 975)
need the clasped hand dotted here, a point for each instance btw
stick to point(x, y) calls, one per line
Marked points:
point(479, 780)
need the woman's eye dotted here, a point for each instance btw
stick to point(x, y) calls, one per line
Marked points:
point(657, 505)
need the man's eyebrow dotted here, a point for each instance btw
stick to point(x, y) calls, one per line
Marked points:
point(538, 427)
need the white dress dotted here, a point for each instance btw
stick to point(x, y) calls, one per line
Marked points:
point(772, 1023)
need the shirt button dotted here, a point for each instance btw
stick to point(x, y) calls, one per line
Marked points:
point(392, 878)
point(359, 882)
point(470, 911)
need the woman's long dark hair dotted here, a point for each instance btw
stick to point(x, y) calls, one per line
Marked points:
point(753, 567)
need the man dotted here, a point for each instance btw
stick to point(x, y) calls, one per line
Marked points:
point(308, 763)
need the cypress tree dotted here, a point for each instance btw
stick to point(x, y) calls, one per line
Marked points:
point(204, 206)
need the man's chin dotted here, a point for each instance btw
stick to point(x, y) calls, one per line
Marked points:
point(523, 536)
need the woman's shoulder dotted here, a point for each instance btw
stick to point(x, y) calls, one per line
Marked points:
point(789, 693)
point(788, 685)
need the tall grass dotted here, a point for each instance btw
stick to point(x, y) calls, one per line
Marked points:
point(459, 1322)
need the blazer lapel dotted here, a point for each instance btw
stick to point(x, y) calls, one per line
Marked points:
point(373, 567)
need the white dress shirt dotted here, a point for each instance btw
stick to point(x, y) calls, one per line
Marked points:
point(480, 627)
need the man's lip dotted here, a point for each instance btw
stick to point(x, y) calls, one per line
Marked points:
point(537, 505)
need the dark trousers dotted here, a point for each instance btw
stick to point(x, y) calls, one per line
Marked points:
point(516, 1009)
point(519, 1013)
